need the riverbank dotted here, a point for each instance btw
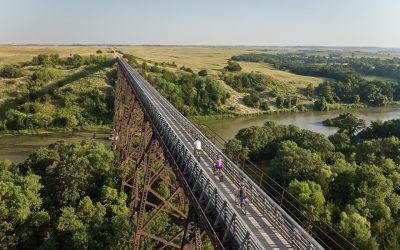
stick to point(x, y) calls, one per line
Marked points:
point(17, 147)
point(92, 128)
point(332, 108)
point(227, 128)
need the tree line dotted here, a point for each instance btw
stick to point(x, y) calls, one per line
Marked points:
point(316, 65)
point(350, 180)
point(190, 93)
point(348, 85)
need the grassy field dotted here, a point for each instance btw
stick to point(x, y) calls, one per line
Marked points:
point(267, 69)
point(197, 58)
point(18, 54)
point(213, 59)
point(379, 78)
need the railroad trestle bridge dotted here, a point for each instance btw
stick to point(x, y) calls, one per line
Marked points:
point(153, 141)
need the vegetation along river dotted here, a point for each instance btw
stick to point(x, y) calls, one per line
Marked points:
point(18, 147)
point(227, 128)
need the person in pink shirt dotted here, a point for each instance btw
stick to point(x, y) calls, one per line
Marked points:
point(218, 164)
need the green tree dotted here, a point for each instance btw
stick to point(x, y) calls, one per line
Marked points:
point(325, 91)
point(11, 71)
point(321, 105)
point(346, 122)
point(357, 99)
point(235, 151)
point(279, 102)
point(102, 225)
point(202, 72)
point(292, 162)
point(341, 141)
point(309, 91)
point(264, 105)
point(252, 100)
point(356, 227)
point(311, 196)
point(233, 66)
point(21, 219)
point(287, 103)
point(72, 171)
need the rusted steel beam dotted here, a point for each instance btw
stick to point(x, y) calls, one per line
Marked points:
point(143, 164)
point(174, 238)
point(177, 210)
point(168, 211)
point(159, 208)
point(159, 239)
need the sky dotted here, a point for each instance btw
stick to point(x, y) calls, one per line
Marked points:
point(372, 23)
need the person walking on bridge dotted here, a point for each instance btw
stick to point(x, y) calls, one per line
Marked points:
point(197, 148)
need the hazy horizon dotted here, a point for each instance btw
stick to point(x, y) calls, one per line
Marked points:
point(205, 45)
point(288, 23)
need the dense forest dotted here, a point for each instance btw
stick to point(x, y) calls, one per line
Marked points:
point(50, 92)
point(347, 84)
point(66, 196)
point(63, 197)
point(350, 180)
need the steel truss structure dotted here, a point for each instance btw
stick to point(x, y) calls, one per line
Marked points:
point(143, 165)
point(154, 150)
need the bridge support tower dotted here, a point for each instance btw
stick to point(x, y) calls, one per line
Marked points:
point(147, 178)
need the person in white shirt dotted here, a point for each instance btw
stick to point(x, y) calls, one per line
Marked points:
point(197, 147)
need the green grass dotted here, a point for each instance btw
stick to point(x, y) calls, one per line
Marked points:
point(379, 78)
point(84, 92)
point(19, 54)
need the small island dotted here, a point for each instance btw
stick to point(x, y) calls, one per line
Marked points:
point(346, 122)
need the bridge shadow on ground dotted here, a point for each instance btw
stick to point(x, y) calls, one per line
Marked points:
point(88, 71)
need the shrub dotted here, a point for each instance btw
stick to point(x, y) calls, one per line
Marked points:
point(264, 105)
point(252, 100)
point(45, 75)
point(10, 82)
point(187, 69)
point(233, 66)
point(203, 72)
point(279, 102)
point(11, 71)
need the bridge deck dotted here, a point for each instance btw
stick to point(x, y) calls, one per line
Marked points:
point(260, 226)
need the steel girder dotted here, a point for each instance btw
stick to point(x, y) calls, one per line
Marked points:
point(143, 167)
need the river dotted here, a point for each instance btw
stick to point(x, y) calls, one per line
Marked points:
point(18, 147)
point(227, 128)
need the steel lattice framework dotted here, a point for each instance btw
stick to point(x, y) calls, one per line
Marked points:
point(153, 142)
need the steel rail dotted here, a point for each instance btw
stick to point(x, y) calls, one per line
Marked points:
point(287, 226)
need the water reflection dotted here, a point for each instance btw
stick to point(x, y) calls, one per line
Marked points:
point(227, 128)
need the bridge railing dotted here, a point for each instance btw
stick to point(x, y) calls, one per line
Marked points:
point(295, 218)
point(211, 194)
point(329, 237)
point(287, 226)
